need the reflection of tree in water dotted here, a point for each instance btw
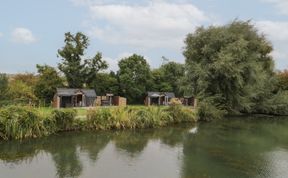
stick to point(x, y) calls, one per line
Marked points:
point(230, 148)
point(64, 153)
point(64, 149)
point(132, 142)
point(172, 136)
point(93, 143)
point(16, 152)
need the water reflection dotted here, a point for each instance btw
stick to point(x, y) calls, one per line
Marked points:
point(66, 148)
point(234, 148)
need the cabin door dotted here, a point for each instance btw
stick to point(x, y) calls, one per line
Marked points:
point(79, 100)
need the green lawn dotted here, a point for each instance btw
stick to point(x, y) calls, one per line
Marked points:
point(48, 110)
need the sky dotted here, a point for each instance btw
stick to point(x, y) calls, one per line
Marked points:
point(32, 31)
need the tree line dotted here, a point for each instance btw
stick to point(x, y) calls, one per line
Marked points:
point(228, 68)
point(133, 79)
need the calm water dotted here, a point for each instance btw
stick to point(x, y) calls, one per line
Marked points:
point(234, 148)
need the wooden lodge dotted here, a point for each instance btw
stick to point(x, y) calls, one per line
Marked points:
point(111, 100)
point(189, 101)
point(69, 97)
point(159, 98)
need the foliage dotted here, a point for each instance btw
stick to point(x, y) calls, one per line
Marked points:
point(106, 83)
point(207, 111)
point(17, 122)
point(180, 114)
point(28, 78)
point(167, 78)
point(94, 65)
point(20, 92)
point(134, 76)
point(282, 77)
point(71, 54)
point(3, 86)
point(64, 118)
point(137, 117)
point(47, 83)
point(77, 70)
point(230, 67)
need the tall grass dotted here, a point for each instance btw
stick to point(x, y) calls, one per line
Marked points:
point(63, 118)
point(142, 117)
point(21, 122)
point(17, 122)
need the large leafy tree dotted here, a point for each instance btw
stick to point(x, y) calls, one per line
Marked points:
point(77, 70)
point(230, 67)
point(106, 83)
point(72, 65)
point(134, 76)
point(167, 78)
point(48, 81)
point(94, 66)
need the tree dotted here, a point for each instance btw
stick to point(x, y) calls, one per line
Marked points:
point(282, 77)
point(72, 65)
point(134, 76)
point(79, 71)
point(167, 78)
point(230, 67)
point(20, 92)
point(94, 66)
point(106, 83)
point(159, 82)
point(3, 86)
point(29, 79)
point(47, 83)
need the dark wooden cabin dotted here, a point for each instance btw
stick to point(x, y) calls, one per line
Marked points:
point(159, 98)
point(189, 101)
point(69, 97)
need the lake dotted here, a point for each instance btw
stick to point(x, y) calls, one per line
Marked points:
point(230, 148)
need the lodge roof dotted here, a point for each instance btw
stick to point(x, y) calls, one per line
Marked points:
point(158, 94)
point(74, 91)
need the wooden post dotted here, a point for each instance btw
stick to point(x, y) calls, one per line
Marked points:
point(83, 100)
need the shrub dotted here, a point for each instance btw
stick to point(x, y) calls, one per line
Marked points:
point(99, 119)
point(180, 113)
point(63, 118)
point(208, 112)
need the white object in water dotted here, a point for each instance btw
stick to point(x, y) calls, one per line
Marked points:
point(193, 130)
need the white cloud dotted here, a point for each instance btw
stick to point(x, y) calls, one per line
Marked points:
point(23, 35)
point(1, 34)
point(151, 25)
point(113, 64)
point(282, 5)
point(276, 32)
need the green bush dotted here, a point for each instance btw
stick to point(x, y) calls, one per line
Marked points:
point(180, 113)
point(18, 122)
point(99, 119)
point(151, 117)
point(63, 118)
point(208, 112)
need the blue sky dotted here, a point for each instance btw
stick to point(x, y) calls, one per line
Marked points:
point(31, 31)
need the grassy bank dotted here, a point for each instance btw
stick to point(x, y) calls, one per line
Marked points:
point(18, 122)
